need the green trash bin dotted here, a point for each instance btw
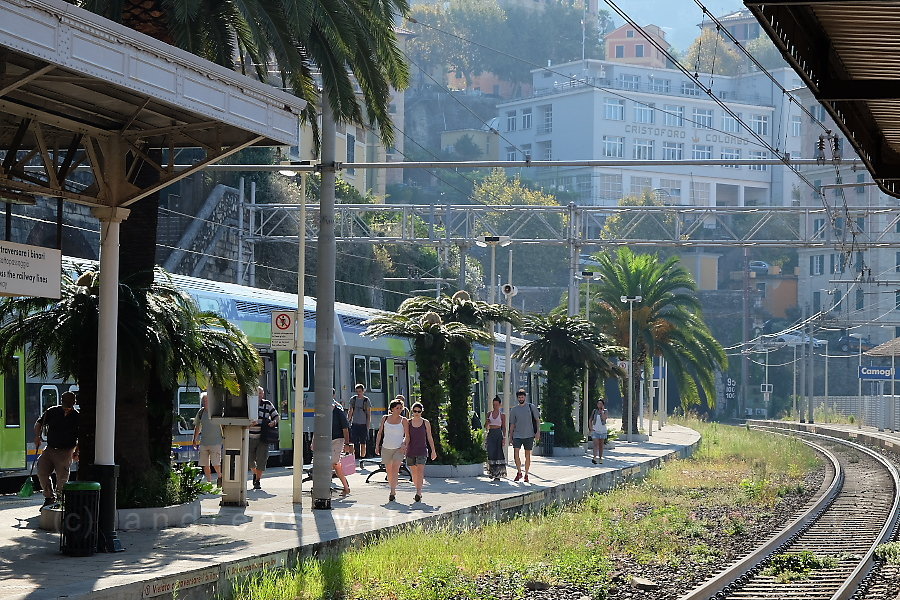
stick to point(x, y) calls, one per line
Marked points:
point(80, 516)
point(547, 439)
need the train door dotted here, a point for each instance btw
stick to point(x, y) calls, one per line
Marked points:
point(268, 379)
point(12, 416)
point(400, 379)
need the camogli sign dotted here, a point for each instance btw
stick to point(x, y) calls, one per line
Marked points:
point(29, 270)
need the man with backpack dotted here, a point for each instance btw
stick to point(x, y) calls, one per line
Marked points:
point(359, 413)
point(263, 431)
point(524, 430)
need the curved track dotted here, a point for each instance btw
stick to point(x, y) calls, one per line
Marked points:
point(857, 512)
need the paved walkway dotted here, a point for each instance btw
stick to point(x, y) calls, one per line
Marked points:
point(229, 541)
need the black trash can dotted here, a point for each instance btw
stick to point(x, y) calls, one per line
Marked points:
point(547, 439)
point(81, 512)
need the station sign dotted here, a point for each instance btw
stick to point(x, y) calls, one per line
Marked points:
point(875, 373)
point(29, 270)
point(284, 322)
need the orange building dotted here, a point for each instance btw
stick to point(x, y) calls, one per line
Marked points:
point(631, 46)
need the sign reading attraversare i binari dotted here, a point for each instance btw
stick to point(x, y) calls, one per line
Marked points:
point(29, 270)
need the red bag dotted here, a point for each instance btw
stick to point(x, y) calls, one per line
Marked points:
point(348, 464)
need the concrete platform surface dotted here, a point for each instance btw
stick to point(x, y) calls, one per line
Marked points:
point(199, 560)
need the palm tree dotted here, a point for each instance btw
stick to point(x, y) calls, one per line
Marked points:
point(667, 321)
point(430, 340)
point(565, 346)
point(479, 317)
point(182, 343)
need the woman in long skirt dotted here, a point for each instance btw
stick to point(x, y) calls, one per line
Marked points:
point(495, 424)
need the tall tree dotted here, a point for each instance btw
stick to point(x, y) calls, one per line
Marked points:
point(564, 346)
point(667, 322)
point(712, 53)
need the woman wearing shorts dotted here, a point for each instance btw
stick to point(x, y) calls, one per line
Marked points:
point(599, 430)
point(393, 437)
point(420, 441)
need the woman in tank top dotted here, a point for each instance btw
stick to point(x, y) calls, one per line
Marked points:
point(495, 423)
point(599, 430)
point(393, 437)
point(420, 442)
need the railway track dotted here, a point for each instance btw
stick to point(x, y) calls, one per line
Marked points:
point(858, 511)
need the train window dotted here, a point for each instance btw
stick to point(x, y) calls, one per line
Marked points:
point(359, 370)
point(306, 371)
point(283, 388)
point(374, 374)
point(188, 405)
point(49, 397)
point(11, 394)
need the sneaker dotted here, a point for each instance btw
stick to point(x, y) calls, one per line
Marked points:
point(526, 477)
point(417, 497)
point(519, 476)
point(391, 498)
point(255, 480)
point(48, 502)
point(256, 485)
point(594, 460)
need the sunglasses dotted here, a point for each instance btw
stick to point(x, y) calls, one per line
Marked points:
point(417, 410)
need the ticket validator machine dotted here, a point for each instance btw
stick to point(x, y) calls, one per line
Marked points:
point(233, 412)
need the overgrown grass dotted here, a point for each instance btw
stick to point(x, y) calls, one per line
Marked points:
point(653, 521)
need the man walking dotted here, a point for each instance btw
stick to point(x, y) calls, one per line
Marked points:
point(61, 425)
point(209, 436)
point(340, 439)
point(263, 431)
point(359, 414)
point(524, 431)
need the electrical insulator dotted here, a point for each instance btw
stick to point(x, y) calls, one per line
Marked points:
point(836, 147)
point(820, 148)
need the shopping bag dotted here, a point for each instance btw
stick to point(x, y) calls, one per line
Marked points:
point(348, 464)
point(27, 489)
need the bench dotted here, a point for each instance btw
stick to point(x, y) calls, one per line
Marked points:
point(362, 462)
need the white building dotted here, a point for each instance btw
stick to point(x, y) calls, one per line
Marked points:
point(597, 109)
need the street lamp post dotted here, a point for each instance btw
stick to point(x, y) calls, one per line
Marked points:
point(630, 300)
point(587, 276)
point(492, 241)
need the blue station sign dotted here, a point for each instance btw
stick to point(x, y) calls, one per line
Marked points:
point(875, 373)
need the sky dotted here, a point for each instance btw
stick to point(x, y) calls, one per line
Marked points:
point(678, 18)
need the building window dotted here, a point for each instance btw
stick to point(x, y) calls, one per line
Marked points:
point(546, 149)
point(620, 51)
point(860, 224)
point(662, 86)
point(837, 300)
point(643, 149)
point(351, 152)
point(611, 187)
point(817, 301)
point(643, 113)
point(861, 178)
point(583, 186)
point(860, 299)
point(796, 126)
point(701, 152)
point(818, 229)
point(613, 146)
point(639, 50)
point(614, 109)
point(703, 118)
point(630, 82)
point(699, 193)
point(629, 33)
point(817, 264)
point(731, 124)
point(758, 155)
point(639, 185)
point(759, 124)
point(690, 88)
point(673, 150)
point(526, 151)
point(896, 300)
point(674, 115)
point(731, 154)
point(511, 154)
point(526, 118)
point(672, 187)
point(546, 112)
point(897, 260)
point(511, 120)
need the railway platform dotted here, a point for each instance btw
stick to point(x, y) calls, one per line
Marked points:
point(201, 560)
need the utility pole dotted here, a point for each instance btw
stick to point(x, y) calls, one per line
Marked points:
point(745, 335)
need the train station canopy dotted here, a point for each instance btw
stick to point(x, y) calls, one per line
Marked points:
point(889, 348)
point(81, 93)
point(848, 53)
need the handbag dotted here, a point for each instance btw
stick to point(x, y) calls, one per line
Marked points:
point(348, 464)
